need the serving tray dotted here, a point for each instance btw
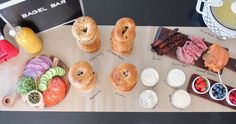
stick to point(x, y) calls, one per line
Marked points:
point(200, 62)
point(207, 96)
point(10, 99)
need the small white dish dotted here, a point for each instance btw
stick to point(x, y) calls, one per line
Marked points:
point(211, 95)
point(227, 98)
point(40, 104)
point(149, 77)
point(148, 99)
point(208, 85)
point(181, 99)
point(175, 78)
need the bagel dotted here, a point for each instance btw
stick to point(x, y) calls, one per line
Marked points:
point(84, 29)
point(80, 74)
point(124, 77)
point(121, 46)
point(125, 30)
point(88, 87)
point(92, 47)
point(118, 51)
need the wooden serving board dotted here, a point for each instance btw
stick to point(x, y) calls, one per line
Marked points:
point(207, 96)
point(9, 100)
point(200, 62)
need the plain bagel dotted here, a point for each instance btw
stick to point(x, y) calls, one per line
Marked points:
point(124, 77)
point(125, 30)
point(80, 74)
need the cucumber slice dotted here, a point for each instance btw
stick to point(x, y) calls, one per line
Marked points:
point(54, 72)
point(44, 82)
point(42, 87)
point(49, 74)
point(43, 78)
point(61, 72)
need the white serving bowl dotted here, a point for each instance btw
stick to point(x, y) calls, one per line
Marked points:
point(211, 95)
point(227, 99)
point(208, 85)
point(211, 22)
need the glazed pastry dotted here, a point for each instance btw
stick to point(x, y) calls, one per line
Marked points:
point(37, 66)
point(124, 77)
point(81, 76)
point(216, 58)
point(86, 33)
point(52, 72)
point(123, 36)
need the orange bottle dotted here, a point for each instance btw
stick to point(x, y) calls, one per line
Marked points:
point(27, 39)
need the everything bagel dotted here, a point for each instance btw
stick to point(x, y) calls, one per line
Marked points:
point(84, 29)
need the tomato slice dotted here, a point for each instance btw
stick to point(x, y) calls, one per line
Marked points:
point(55, 92)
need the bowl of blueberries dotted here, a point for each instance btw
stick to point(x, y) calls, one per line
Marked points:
point(218, 91)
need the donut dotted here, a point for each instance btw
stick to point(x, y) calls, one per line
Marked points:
point(84, 29)
point(125, 30)
point(124, 77)
point(80, 74)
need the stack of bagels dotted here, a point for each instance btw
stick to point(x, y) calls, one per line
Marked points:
point(87, 34)
point(81, 76)
point(124, 77)
point(123, 36)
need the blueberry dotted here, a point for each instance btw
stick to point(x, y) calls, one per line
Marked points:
point(213, 91)
point(214, 88)
point(224, 90)
point(221, 86)
point(222, 96)
point(217, 90)
point(220, 92)
point(224, 93)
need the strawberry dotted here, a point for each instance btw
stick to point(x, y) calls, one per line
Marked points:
point(197, 88)
point(202, 85)
point(200, 79)
point(202, 89)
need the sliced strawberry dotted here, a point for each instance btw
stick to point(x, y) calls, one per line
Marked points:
point(200, 79)
point(202, 85)
point(202, 89)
